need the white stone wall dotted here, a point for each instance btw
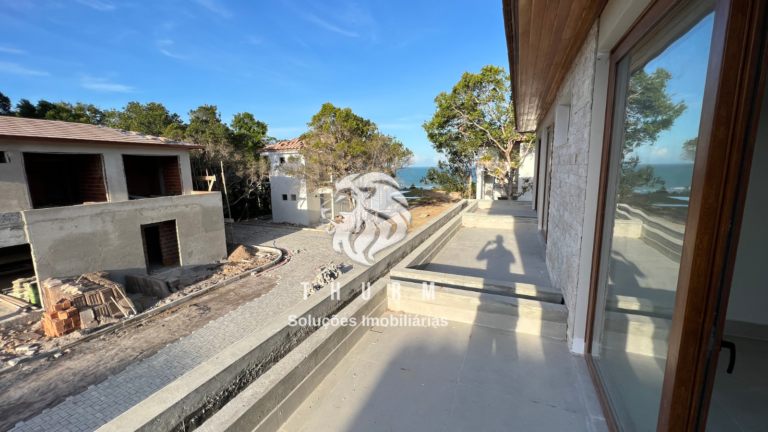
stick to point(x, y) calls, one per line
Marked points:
point(569, 177)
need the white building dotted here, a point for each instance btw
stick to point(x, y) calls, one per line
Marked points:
point(291, 201)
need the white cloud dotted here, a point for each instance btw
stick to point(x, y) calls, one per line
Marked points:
point(19, 70)
point(215, 7)
point(167, 42)
point(100, 84)
point(12, 50)
point(422, 160)
point(98, 5)
point(329, 26)
point(661, 152)
point(172, 55)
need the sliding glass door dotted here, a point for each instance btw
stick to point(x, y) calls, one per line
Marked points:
point(658, 95)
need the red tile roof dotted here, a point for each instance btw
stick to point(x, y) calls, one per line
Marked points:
point(50, 130)
point(289, 145)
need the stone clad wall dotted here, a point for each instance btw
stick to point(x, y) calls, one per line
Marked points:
point(569, 177)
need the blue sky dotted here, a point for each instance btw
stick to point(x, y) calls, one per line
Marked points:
point(686, 60)
point(279, 60)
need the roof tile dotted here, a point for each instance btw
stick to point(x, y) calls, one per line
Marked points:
point(26, 128)
point(291, 144)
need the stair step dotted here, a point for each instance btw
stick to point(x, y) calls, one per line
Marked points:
point(480, 308)
point(637, 334)
point(483, 285)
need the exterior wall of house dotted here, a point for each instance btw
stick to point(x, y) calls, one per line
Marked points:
point(570, 156)
point(69, 241)
point(14, 193)
point(527, 171)
point(305, 209)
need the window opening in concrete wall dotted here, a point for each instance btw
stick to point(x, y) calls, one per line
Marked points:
point(57, 179)
point(152, 176)
point(161, 245)
point(4, 157)
point(285, 197)
point(15, 263)
point(293, 197)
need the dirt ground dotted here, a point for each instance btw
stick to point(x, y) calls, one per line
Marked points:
point(43, 384)
point(431, 205)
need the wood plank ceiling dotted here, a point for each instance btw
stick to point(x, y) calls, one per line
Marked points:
point(543, 38)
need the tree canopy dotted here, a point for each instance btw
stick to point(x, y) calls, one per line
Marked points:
point(340, 143)
point(235, 147)
point(649, 112)
point(478, 113)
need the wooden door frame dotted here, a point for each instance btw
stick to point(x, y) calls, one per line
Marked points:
point(730, 79)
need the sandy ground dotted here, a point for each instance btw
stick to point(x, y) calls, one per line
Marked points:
point(428, 208)
point(43, 384)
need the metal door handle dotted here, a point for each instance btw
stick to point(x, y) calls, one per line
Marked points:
point(730, 346)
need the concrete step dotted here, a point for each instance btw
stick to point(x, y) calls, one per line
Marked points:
point(505, 222)
point(489, 310)
point(659, 307)
point(636, 334)
point(483, 285)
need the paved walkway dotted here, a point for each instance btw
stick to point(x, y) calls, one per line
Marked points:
point(99, 404)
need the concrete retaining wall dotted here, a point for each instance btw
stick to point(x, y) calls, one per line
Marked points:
point(199, 394)
point(12, 229)
point(269, 402)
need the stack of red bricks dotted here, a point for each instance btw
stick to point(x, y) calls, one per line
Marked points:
point(62, 319)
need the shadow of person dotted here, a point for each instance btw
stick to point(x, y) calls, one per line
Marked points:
point(499, 258)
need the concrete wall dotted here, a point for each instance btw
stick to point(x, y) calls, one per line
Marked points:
point(69, 241)
point(573, 116)
point(527, 171)
point(14, 194)
point(306, 209)
point(12, 229)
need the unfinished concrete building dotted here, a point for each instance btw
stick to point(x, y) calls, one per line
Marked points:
point(77, 198)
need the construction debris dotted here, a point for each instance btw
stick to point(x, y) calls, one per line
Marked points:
point(326, 275)
point(94, 294)
point(24, 289)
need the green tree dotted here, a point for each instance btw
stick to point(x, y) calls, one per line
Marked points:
point(249, 134)
point(689, 149)
point(649, 112)
point(151, 119)
point(5, 105)
point(25, 108)
point(62, 111)
point(478, 112)
point(340, 143)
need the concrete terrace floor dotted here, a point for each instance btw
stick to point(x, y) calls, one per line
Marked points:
point(508, 255)
point(101, 403)
point(456, 378)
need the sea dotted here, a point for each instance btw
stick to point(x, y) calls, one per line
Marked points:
point(677, 177)
point(413, 175)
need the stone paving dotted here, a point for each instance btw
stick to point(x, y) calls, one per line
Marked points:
point(99, 404)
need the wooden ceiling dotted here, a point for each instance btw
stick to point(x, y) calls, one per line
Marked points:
point(543, 38)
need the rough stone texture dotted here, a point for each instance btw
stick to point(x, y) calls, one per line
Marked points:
point(101, 403)
point(569, 178)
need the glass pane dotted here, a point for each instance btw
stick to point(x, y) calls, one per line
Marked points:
point(657, 110)
point(740, 393)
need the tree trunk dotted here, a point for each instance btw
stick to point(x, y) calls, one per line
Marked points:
point(469, 186)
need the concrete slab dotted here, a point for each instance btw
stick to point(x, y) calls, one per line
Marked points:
point(438, 379)
point(508, 255)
